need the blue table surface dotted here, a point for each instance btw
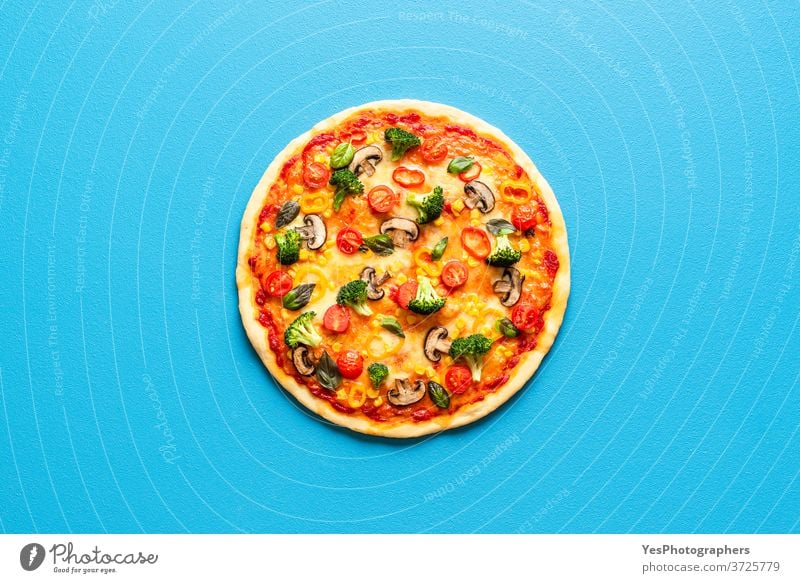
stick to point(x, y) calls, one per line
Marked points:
point(132, 134)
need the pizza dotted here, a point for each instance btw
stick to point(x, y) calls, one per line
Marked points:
point(403, 268)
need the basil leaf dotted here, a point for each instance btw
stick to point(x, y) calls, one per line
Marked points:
point(298, 297)
point(500, 227)
point(342, 155)
point(338, 198)
point(379, 244)
point(287, 213)
point(439, 395)
point(392, 325)
point(506, 328)
point(438, 249)
point(328, 373)
point(460, 164)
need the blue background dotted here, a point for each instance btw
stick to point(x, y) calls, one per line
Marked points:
point(132, 136)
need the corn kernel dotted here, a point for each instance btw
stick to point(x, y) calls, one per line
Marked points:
point(472, 262)
point(458, 206)
point(298, 189)
point(475, 222)
point(269, 242)
point(464, 256)
point(439, 222)
point(429, 372)
point(378, 402)
point(322, 260)
point(402, 278)
point(474, 214)
point(265, 226)
point(337, 346)
point(419, 370)
point(303, 255)
point(374, 324)
point(524, 245)
point(327, 213)
point(341, 394)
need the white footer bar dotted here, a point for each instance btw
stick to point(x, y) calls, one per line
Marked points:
point(400, 558)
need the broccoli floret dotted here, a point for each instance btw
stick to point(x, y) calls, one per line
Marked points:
point(302, 331)
point(472, 350)
point(427, 301)
point(377, 372)
point(503, 254)
point(288, 247)
point(354, 294)
point(429, 206)
point(346, 183)
point(401, 141)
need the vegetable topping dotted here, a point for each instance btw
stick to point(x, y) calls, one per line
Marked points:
point(401, 141)
point(354, 295)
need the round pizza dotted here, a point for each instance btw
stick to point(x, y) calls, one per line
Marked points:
point(403, 268)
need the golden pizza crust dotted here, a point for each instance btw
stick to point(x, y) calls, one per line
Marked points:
point(468, 413)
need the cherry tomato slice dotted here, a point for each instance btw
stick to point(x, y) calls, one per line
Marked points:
point(525, 317)
point(381, 199)
point(350, 363)
point(336, 319)
point(476, 242)
point(454, 273)
point(523, 217)
point(316, 175)
point(472, 173)
point(349, 240)
point(433, 150)
point(407, 176)
point(277, 284)
point(458, 379)
point(406, 293)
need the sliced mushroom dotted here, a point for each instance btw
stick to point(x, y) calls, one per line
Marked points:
point(404, 393)
point(365, 159)
point(314, 231)
point(401, 230)
point(509, 286)
point(301, 357)
point(479, 195)
point(436, 343)
point(374, 283)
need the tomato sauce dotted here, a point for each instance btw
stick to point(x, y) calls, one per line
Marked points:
point(274, 336)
